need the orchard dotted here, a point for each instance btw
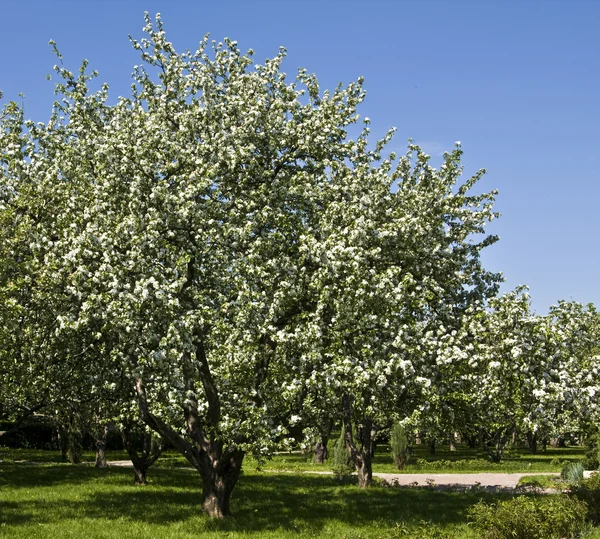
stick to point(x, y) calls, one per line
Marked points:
point(225, 262)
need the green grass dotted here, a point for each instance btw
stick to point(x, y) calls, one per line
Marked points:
point(465, 460)
point(59, 500)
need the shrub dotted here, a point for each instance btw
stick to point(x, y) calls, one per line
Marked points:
point(592, 455)
point(399, 445)
point(35, 433)
point(572, 472)
point(342, 467)
point(588, 490)
point(526, 517)
point(425, 529)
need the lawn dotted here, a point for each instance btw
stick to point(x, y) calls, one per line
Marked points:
point(58, 500)
point(41, 497)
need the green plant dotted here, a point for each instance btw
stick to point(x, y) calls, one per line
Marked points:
point(572, 472)
point(527, 517)
point(341, 461)
point(588, 490)
point(399, 446)
point(592, 455)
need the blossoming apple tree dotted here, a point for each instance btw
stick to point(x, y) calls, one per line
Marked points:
point(222, 245)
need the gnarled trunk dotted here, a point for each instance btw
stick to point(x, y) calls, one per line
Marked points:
point(150, 452)
point(139, 474)
point(218, 484)
point(101, 447)
point(364, 470)
point(320, 452)
point(219, 466)
point(361, 455)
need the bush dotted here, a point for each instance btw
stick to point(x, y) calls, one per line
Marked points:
point(35, 433)
point(399, 445)
point(443, 464)
point(588, 491)
point(572, 472)
point(526, 517)
point(342, 466)
point(592, 455)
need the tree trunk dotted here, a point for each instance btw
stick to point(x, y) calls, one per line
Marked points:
point(219, 484)
point(544, 444)
point(320, 451)
point(101, 448)
point(149, 454)
point(139, 473)
point(532, 442)
point(220, 467)
point(364, 470)
point(499, 443)
point(432, 446)
point(74, 448)
point(451, 442)
point(373, 443)
point(361, 457)
point(62, 436)
point(558, 441)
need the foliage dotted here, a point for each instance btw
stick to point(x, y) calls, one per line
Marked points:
point(399, 445)
point(341, 465)
point(217, 247)
point(572, 472)
point(524, 517)
point(35, 433)
point(588, 490)
point(592, 456)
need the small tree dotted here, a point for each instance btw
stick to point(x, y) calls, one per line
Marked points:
point(342, 465)
point(399, 445)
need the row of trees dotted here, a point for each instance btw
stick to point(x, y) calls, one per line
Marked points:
point(218, 256)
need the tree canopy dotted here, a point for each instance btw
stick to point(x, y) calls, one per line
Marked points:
point(219, 247)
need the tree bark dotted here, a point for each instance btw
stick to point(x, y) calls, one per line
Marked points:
point(139, 474)
point(360, 456)
point(431, 444)
point(219, 466)
point(451, 442)
point(321, 453)
point(101, 448)
point(219, 482)
point(532, 442)
point(62, 435)
point(150, 452)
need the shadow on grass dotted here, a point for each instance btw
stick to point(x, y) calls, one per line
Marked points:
point(260, 502)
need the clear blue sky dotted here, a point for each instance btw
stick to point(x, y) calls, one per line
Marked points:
point(517, 82)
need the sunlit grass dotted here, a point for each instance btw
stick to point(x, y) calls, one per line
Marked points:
point(81, 501)
point(61, 500)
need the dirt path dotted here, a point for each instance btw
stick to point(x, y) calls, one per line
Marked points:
point(486, 480)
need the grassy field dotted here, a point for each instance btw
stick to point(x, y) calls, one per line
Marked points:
point(51, 500)
point(81, 501)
